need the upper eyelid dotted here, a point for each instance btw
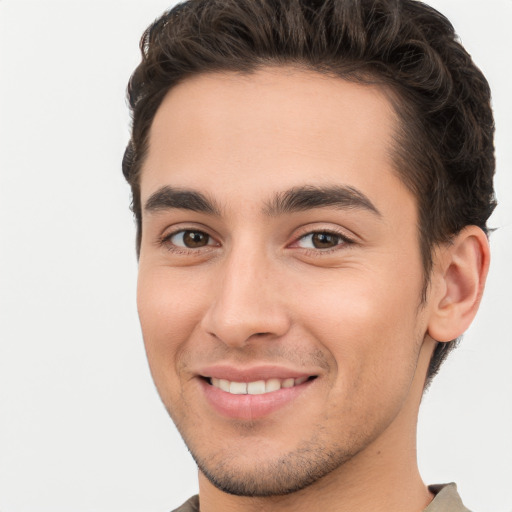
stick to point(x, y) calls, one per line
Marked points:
point(164, 240)
point(174, 233)
point(344, 240)
point(309, 230)
point(177, 228)
point(294, 237)
point(326, 232)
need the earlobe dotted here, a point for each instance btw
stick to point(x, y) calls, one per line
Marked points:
point(460, 271)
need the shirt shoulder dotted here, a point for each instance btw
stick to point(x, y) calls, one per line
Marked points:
point(191, 505)
point(446, 499)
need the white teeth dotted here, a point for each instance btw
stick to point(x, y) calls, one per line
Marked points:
point(223, 384)
point(288, 383)
point(258, 387)
point(238, 388)
point(272, 385)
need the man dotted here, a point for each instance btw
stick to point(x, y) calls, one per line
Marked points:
point(311, 182)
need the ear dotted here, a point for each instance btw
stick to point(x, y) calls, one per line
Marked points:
point(458, 280)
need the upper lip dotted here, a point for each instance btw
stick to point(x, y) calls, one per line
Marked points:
point(252, 373)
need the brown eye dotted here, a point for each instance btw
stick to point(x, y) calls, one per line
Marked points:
point(324, 240)
point(321, 240)
point(190, 239)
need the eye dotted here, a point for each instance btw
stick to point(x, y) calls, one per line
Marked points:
point(190, 239)
point(321, 240)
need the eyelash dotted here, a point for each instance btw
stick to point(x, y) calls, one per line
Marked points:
point(165, 241)
point(343, 241)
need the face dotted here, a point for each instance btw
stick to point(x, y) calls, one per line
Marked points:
point(280, 276)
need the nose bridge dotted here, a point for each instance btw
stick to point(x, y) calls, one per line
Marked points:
point(246, 301)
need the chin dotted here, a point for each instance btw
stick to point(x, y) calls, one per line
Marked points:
point(286, 474)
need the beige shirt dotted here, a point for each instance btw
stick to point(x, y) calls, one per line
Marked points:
point(446, 499)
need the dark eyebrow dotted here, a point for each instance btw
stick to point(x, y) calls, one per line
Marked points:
point(166, 198)
point(308, 197)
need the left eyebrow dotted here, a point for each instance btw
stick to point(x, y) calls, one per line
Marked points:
point(308, 197)
point(168, 198)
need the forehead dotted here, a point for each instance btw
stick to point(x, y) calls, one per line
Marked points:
point(270, 130)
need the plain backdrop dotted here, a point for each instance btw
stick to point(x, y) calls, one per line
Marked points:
point(81, 426)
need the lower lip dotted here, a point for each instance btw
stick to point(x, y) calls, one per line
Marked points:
point(251, 407)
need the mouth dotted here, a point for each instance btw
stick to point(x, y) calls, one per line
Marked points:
point(257, 387)
point(252, 396)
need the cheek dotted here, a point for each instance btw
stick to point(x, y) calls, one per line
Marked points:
point(362, 304)
point(372, 327)
point(375, 342)
point(168, 314)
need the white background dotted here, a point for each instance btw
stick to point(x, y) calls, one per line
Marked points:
point(81, 427)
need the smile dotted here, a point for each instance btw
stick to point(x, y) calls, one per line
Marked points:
point(253, 394)
point(258, 387)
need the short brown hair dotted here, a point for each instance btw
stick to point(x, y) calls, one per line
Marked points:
point(444, 149)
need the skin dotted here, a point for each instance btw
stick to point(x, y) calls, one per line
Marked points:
point(259, 292)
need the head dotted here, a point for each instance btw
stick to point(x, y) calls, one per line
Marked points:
point(444, 150)
point(440, 149)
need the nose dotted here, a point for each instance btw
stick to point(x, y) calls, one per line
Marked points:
point(246, 302)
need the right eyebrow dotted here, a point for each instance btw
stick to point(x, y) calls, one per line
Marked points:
point(169, 198)
point(308, 197)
